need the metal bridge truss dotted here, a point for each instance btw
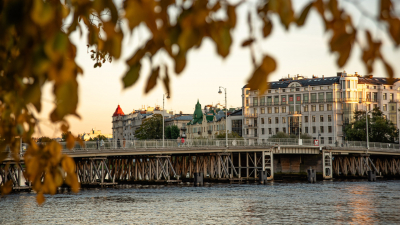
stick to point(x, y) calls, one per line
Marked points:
point(13, 172)
point(354, 165)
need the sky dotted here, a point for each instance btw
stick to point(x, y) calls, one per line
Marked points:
point(301, 51)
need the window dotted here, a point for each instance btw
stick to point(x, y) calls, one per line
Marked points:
point(284, 130)
point(391, 96)
point(306, 130)
point(269, 110)
point(314, 130)
point(276, 120)
point(247, 92)
point(321, 129)
point(385, 107)
point(321, 107)
point(375, 106)
point(322, 140)
point(313, 97)
point(329, 129)
point(313, 119)
point(306, 108)
point(269, 120)
point(269, 131)
point(262, 131)
point(262, 110)
point(283, 109)
point(276, 109)
point(385, 96)
point(313, 108)
point(305, 98)
point(283, 119)
point(321, 97)
point(329, 107)
point(306, 119)
point(321, 118)
point(262, 120)
point(329, 97)
point(247, 131)
point(255, 101)
point(348, 84)
point(329, 118)
point(329, 140)
point(276, 130)
point(247, 101)
point(283, 90)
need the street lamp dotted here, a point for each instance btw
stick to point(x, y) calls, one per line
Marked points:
point(366, 122)
point(226, 115)
point(163, 117)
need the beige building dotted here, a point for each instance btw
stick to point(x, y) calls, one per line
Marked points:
point(318, 106)
point(206, 125)
point(92, 134)
point(181, 122)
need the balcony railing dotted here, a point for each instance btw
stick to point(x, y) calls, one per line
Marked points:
point(250, 125)
point(253, 104)
point(251, 115)
point(294, 112)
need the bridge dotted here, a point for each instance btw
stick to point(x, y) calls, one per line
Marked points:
point(152, 161)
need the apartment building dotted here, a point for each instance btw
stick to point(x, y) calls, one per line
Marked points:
point(318, 106)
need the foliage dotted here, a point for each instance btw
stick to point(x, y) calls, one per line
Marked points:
point(285, 135)
point(172, 132)
point(64, 135)
point(99, 137)
point(151, 128)
point(232, 135)
point(35, 49)
point(380, 129)
point(45, 139)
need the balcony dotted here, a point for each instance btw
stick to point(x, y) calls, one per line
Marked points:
point(294, 113)
point(209, 131)
point(183, 129)
point(250, 125)
point(251, 115)
point(254, 104)
point(250, 135)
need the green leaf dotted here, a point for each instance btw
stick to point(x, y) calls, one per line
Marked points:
point(152, 81)
point(132, 75)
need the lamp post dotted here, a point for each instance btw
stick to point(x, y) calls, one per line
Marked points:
point(366, 122)
point(163, 117)
point(226, 115)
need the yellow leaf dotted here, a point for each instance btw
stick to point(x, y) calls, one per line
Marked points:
point(231, 15)
point(70, 141)
point(40, 198)
point(180, 62)
point(152, 81)
point(267, 28)
point(134, 13)
point(259, 78)
point(42, 12)
point(300, 21)
point(49, 184)
point(132, 75)
point(247, 42)
point(7, 187)
point(68, 164)
point(67, 100)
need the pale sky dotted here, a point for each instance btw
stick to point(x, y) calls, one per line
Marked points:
point(297, 51)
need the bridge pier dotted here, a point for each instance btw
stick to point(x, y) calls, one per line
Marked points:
point(327, 165)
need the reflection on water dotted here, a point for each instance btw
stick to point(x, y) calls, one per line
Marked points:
point(276, 202)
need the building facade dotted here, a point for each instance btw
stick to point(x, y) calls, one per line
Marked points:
point(92, 134)
point(181, 122)
point(206, 125)
point(320, 107)
point(124, 126)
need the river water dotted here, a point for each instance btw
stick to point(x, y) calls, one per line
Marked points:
point(324, 202)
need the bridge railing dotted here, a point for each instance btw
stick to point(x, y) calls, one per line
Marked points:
point(212, 143)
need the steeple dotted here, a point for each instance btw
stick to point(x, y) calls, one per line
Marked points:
point(118, 112)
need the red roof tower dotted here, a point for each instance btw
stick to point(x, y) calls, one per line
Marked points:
point(118, 112)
